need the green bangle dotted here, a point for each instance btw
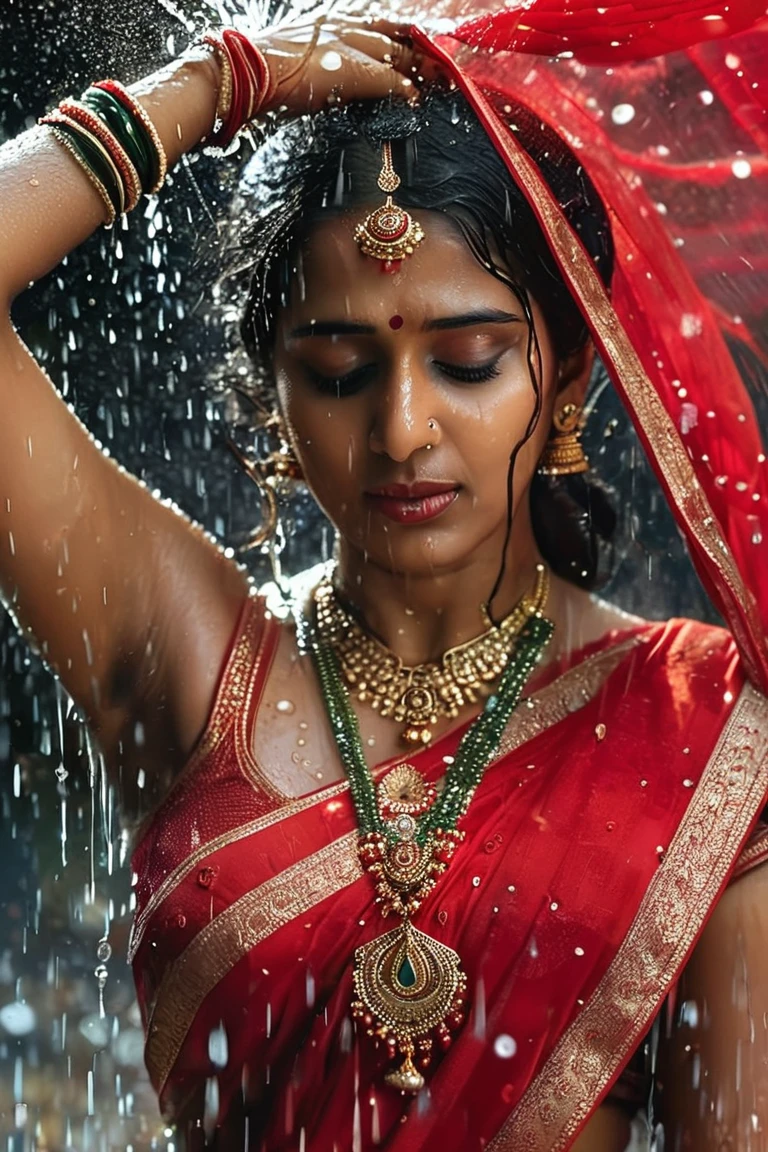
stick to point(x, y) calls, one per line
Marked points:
point(130, 135)
point(95, 160)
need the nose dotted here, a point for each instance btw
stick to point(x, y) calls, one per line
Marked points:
point(403, 419)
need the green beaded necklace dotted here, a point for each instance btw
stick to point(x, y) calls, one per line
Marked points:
point(410, 989)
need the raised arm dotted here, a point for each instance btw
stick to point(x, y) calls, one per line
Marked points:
point(131, 604)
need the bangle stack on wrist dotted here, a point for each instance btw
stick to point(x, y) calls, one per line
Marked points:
point(114, 141)
point(244, 85)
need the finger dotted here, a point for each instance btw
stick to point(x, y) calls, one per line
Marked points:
point(382, 49)
point(394, 29)
point(365, 79)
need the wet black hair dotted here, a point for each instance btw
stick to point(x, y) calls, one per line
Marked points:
point(328, 164)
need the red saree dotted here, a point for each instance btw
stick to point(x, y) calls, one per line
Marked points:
point(250, 904)
point(628, 784)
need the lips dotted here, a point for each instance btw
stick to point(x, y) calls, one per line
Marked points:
point(413, 503)
point(414, 491)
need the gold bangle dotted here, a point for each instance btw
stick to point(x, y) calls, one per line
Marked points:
point(97, 144)
point(65, 142)
point(224, 95)
point(83, 115)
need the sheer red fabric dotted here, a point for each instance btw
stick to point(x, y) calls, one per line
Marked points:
point(610, 32)
point(675, 145)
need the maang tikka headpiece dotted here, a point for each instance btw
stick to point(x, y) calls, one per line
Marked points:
point(389, 233)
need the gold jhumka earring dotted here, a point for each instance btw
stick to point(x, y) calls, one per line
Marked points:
point(564, 454)
point(389, 233)
point(271, 476)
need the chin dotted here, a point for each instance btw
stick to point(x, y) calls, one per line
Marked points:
point(419, 551)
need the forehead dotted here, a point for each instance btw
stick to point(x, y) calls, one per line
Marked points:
point(441, 276)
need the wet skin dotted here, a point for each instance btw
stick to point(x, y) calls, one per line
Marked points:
point(444, 396)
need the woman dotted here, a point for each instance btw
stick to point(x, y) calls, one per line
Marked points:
point(584, 837)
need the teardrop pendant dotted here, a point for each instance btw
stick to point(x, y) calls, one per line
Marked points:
point(409, 986)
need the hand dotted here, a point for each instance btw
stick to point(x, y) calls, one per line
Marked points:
point(320, 62)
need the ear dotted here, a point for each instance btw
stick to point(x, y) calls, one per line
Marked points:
point(574, 375)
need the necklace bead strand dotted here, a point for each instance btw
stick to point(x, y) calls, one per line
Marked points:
point(410, 990)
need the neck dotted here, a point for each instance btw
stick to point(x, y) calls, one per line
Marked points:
point(419, 616)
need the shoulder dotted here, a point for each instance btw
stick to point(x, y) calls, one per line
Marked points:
point(586, 623)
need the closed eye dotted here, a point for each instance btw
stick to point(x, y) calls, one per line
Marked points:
point(469, 373)
point(354, 381)
point(340, 386)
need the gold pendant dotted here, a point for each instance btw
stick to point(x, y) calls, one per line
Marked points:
point(410, 991)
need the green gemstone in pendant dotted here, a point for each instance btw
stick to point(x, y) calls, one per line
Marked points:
point(406, 977)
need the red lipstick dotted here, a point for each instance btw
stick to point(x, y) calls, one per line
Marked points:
point(413, 503)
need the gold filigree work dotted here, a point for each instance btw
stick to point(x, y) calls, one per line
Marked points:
point(409, 984)
point(418, 696)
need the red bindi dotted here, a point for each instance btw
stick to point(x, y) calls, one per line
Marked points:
point(395, 322)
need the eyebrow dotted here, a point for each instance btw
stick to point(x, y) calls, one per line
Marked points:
point(350, 328)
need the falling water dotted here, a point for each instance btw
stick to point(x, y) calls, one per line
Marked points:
point(137, 339)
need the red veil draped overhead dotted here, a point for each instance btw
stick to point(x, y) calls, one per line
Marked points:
point(601, 838)
point(677, 147)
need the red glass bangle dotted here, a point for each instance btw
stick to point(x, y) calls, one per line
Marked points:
point(88, 119)
point(139, 112)
point(247, 76)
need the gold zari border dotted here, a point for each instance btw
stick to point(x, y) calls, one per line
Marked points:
point(231, 935)
point(224, 840)
point(564, 695)
point(673, 910)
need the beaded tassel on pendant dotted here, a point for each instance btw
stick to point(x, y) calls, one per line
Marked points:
point(410, 989)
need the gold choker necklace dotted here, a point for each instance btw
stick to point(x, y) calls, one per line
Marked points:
point(417, 697)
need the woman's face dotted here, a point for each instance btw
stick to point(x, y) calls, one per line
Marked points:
point(407, 392)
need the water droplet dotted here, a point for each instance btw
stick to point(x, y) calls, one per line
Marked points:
point(622, 114)
point(331, 61)
point(691, 324)
point(504, 1046)
point(17, 1018)
point(218, 1048)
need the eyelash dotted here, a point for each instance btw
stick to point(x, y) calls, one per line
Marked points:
point(341, 386)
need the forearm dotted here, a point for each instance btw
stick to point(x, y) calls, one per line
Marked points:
point(48, 206)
